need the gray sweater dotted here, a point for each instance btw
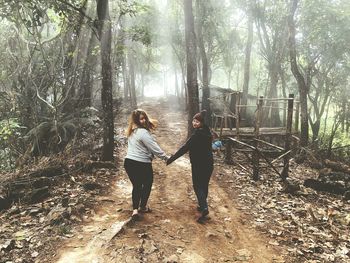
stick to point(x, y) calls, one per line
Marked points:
point(142, 147)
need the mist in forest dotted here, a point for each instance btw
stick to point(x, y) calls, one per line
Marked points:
point(273, 77)
point(59, 56)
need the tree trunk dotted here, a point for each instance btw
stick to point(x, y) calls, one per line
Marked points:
point(229, 74)
point(275, 119)
point(205, 65)
point(165, 88)
point(248, 51)
point(347, 117)
point(105, 35)
point(273, 42)
point(27, 112)
point(69, 66)
point(119, 58)
point(85, 91)
point(335, 126)
point(192, 84)
point(142, 83)
point(182, 91)
point(315, 127)
point(126, 81)
point(284, 93)
point(343, 106)
point(304, 126)
point(133, 100)
point(319, 106)
point(326, 117)
point(177, 92)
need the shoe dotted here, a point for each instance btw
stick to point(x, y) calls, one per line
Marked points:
point(202, 219)
point(205, 212)
point(135, 215)
point(145, 210)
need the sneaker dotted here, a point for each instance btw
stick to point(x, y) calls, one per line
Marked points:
point(205, 212)
point(202, 219)
point(135, 215)
point(145, 210)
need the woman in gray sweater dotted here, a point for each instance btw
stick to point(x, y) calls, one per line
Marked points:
point(142, 147)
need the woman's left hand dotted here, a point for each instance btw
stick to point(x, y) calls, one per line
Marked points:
point(170, 160)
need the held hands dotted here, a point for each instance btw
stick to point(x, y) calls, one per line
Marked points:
point(170, 160)
point(167, 157)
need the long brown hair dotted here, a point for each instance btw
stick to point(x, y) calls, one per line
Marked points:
point(134, 121)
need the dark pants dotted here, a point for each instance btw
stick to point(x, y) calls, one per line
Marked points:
point(200, 178)
point(141, 177)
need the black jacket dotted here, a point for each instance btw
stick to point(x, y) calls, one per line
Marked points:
point(199, 147)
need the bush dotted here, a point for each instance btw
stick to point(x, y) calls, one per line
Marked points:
point(10, 135)
point(52, 136)
point(340, 148)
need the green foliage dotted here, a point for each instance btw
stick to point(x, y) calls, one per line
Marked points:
point(10, 132)
point(141, 34)
point(8, 129)
point(133, 8)
point(340, 145)
point(341, 139)
point(33, 13)
point(325, 30)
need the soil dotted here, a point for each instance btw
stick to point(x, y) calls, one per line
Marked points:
point(86, 215)
point(170, 233)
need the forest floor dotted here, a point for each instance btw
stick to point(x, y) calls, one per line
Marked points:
point(170, 232)
point(248, 221)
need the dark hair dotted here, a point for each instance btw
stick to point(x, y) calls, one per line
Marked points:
point(200, 116)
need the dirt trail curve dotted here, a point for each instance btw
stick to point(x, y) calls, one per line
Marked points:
point(170, 233)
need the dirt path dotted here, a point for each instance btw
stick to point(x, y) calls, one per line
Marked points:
point(170, 233)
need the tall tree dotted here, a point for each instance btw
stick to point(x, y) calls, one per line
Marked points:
point(191, 58)
point(272, 33)
point(323, 52)
point(88, 68)
point(202, 14)
point(248, 51)
point(132, 87)
point(302, 87)
point(319, 101)
point(105, 35)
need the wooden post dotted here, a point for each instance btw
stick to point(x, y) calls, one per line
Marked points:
point(255, 155)
point(288, 137)
point(233, 102)
point(213, 120)
point(285, 108)
point(230, 122)
point(238, 102)
point(347, 117)
point(215, 117)
point(296, 123)
point(228, 152)
point(221, 125)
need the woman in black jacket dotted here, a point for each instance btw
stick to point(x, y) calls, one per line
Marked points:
point(201, 157)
